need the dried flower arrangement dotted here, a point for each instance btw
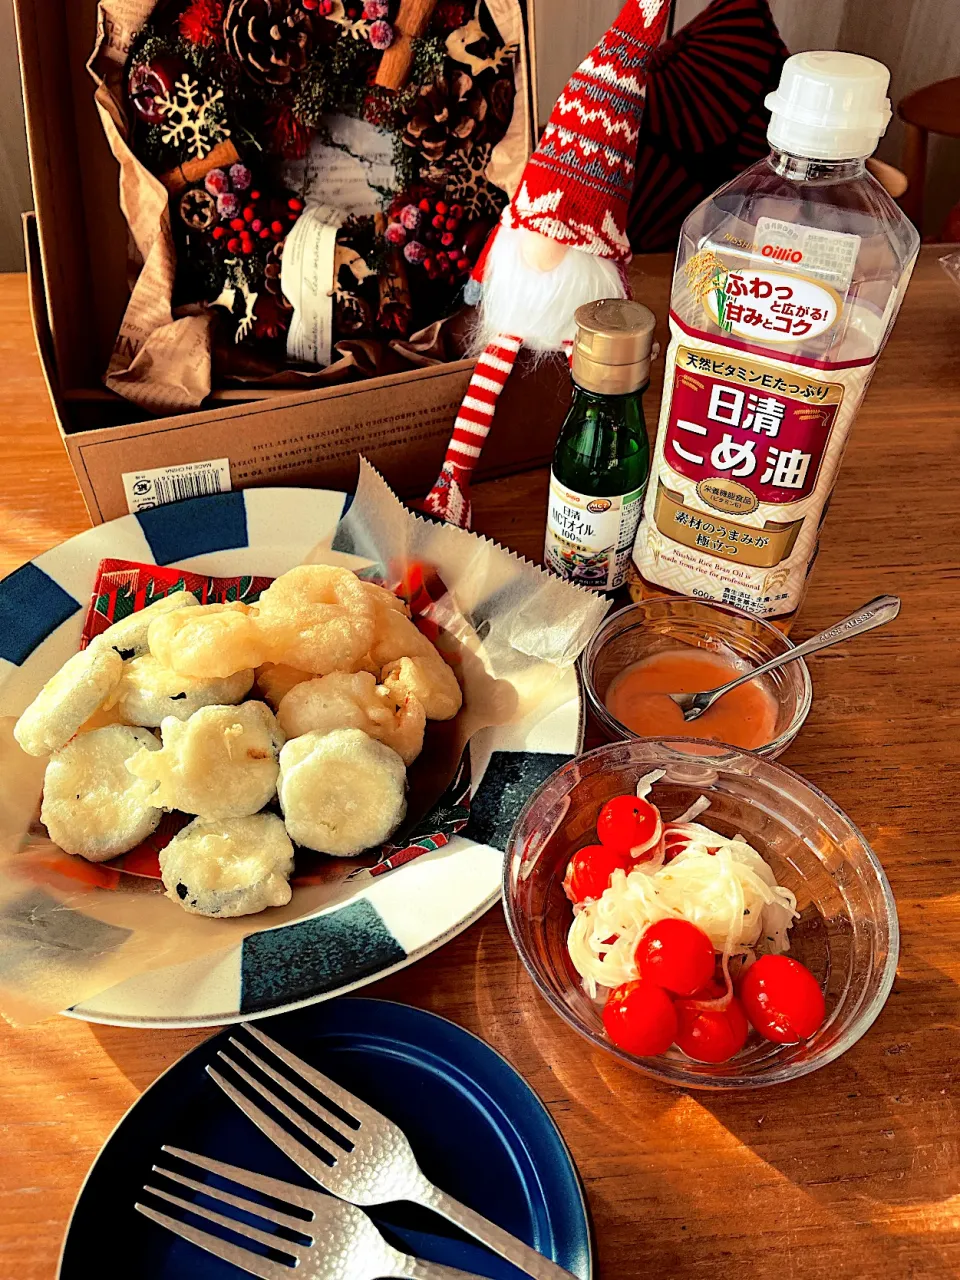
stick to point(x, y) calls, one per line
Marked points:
point(224, 94)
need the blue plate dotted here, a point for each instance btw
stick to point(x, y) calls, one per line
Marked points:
point(478, 1131)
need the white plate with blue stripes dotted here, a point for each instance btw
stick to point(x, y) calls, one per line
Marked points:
point(381, 924)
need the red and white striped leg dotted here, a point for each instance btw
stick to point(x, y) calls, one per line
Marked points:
point(450, 496)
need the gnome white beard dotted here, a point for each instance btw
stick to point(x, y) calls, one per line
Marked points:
point(538, 306)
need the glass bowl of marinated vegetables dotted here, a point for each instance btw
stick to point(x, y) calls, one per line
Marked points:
point(702, 913)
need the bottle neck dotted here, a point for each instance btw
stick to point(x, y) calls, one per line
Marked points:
point(808, 169)
point(605, 397)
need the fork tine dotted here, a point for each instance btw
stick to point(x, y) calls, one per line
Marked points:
point(238, 1202)
point(242, 1258)
point(298, 1153)
point(347, 1102)
point(287, 1192)
point(242, 1228)
point(325, 1114)
point(318, 1136)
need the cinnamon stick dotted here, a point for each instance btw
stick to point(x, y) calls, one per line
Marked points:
point(223, 155)
point(395, 303)
point(410, 24)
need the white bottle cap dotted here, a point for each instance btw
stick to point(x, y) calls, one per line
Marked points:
point(829, 106)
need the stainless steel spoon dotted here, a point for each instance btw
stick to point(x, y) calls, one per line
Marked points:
point(875, 614)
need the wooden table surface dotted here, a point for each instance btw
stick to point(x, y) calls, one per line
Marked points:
point(850, 1174)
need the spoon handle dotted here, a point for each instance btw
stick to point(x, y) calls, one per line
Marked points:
point(875, 614)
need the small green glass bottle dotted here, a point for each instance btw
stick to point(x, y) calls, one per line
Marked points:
point(602, 458)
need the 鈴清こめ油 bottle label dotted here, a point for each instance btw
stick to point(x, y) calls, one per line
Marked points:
point(746, 456)
point(589, 537)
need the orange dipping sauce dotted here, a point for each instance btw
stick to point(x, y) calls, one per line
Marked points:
point(745, 717)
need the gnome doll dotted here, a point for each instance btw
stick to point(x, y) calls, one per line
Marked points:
point(561, 241)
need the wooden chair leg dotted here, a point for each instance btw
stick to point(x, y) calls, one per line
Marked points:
point(913, 162)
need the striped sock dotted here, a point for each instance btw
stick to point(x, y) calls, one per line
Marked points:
point(450, 496)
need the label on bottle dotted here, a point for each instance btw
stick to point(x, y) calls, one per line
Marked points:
point(747, 452)
point(827, 255)
point(589, 537)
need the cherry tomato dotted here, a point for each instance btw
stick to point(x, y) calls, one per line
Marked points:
point(589, 871)
point(639, 1016)
point(627, 821)
point(676, 955)
point(782, 999)
point(711, 1035)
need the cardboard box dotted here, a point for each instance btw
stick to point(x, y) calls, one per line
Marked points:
point(77, 264)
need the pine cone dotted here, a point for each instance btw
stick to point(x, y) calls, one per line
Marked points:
point(270, 39)
point(446, 115)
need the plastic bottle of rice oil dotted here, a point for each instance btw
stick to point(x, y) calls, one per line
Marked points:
point(787, 284)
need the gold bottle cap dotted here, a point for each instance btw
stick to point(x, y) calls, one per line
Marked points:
point(614, 346)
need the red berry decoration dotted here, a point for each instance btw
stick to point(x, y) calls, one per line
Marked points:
point(782, 999)
point(589, 871)
point(200, 21)
point(640, 1017)
point(276, 227)
point(677, 955)
point(233, 244)
point(626, 822)
point(711, 1035)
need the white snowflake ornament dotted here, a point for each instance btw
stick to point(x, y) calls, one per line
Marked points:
point(192, 117)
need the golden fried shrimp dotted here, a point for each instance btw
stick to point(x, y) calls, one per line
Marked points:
point(69, 698)
point(317, 618)
point(341, 792)
point(275, 680)
point(427, 678)
point(129, 635)
point(411, 665)
point(407, 723)
point(354, 701)
point(339, 700)
point(209, 642)
point(384, 599)
point(229, 866)
point(92, 805)
point(221, 763)
point(149, 692)
point(397, 637)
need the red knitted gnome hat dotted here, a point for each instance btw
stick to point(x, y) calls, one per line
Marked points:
point(577, 185)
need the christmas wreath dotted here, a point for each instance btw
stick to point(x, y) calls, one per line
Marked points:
point(238, 106)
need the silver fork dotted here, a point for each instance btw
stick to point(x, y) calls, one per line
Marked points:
point(377, 1166)
point(344, 1243)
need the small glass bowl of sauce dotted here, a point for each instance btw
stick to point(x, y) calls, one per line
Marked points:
point(682, 645)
